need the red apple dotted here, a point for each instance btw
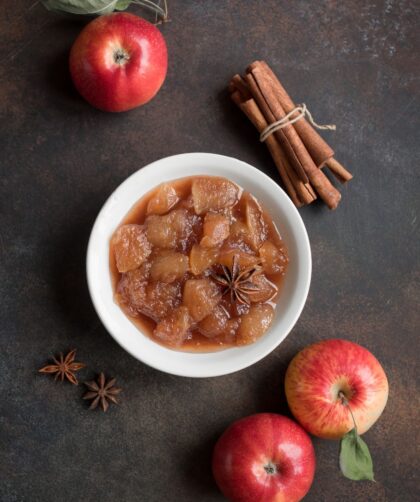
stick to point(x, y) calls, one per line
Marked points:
point(328, 381)
point(264, 458)
point(118, 62)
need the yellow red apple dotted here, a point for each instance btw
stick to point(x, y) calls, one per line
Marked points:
point(118, 62)
point(265, 458)
point(328, 381)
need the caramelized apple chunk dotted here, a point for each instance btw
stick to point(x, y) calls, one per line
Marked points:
point(240, 309)
point(174, 328)
point(245, 259)
point(171, 230)
point(200, 297)
point(232, 327)
point(202, 259)
point(187, 203)
point(214, 324)
point(165, 199)
point(161, 298)
point(274, 260)
point(131, 247)
point(215, 230)
point(238, 230)
point(131, 290)
point(139, 296)
point(214, 194)
point(255, 323)
point(257, 229)
point(266, 289)
point(169, 266)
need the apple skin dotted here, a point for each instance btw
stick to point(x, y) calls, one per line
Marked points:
point(252, 447)
point(118, 62)
point(317, 375)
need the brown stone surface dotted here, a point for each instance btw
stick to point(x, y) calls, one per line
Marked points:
point(353, 63)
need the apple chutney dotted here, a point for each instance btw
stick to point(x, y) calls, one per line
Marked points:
point(197, 265)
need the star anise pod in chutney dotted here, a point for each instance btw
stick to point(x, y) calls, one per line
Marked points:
point(237, 281)
point(101, 392)
point(64, 367)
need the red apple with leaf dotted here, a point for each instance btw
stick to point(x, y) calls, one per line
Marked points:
point(265, 458)
point(337, 389)
point(118, 62)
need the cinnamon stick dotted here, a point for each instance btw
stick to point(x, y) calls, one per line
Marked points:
point(248, 108)
point(297, 149)
point(317, 147)
point(339, 171)
point(321, 153)
point(238, 83)
point(261, 88)
point(298, 191)
point(270, 118)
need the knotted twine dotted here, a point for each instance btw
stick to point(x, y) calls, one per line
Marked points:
point(286, 120)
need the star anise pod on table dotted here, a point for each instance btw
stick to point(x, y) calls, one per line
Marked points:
point(64, 367)
point(101, 392)
point(237, 281)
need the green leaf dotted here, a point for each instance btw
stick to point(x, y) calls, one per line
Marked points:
point(122, 4)
point(81, 6)
point(355, 460)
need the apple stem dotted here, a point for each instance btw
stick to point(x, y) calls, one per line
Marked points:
point(156, 8)
point(345, 402)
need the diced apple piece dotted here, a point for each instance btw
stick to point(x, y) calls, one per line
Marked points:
point(131, 289)
point(274, 260)
point(159, 231)
point(232, 327)
point(169, 230)
point(165, 198)
point(245, 260)
point(174, 328)
point(169, 266)
point(215, 323)
point(266, 289)
point(254, 324)
point(161, 298)
point(202, 258)
point(240, 309)
point(154, 299)
point(215, 230)
point(238, 230)
point(257, 229)
point(131, 247)
point(187, 203)
point(214, 194)
point(200, 297)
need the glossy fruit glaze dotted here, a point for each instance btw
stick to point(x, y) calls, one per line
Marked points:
point(170, 256)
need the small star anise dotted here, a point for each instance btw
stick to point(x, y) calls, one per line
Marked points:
point(64, 367)
point(238, 281)
point(101, 392)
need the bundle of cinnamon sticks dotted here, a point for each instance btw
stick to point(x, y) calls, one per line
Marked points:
point(298, 151)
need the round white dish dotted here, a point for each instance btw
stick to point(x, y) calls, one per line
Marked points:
point(292, 297)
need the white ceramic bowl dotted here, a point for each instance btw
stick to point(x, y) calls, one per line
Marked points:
point(293, 293)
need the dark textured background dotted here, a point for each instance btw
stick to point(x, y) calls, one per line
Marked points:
point(354, 63)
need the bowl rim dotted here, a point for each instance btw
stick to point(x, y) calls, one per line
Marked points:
point(298, 226)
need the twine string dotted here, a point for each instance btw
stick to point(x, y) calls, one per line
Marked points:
point(302, 111)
